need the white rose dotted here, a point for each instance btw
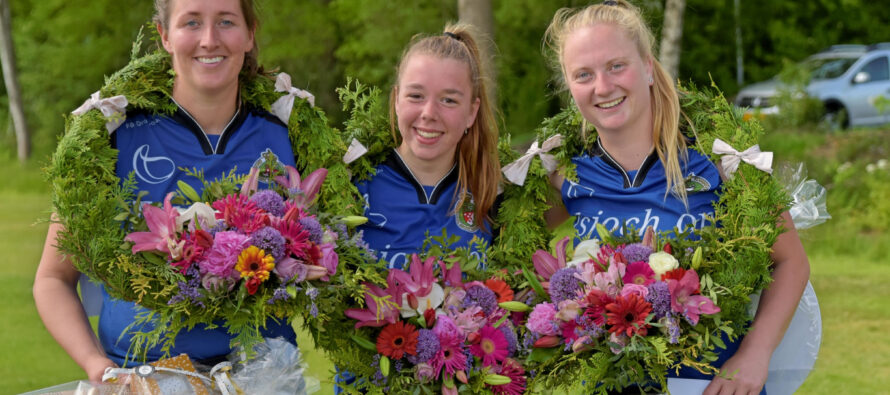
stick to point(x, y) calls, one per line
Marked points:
point(662, 262)
point(583, 251)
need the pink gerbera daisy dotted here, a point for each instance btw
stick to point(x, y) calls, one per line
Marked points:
point(492, 346)
point(451, 356)
point(296, 238)
point(241, 212)
point(516, 373)
point(639, 273)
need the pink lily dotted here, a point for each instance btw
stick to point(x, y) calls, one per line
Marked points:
point(421, 279)
point(546, 265)
point(375, 315)
point(307, 189)
point(453, 277)
point(251, 184)
point(684, 300)
point(162, 225)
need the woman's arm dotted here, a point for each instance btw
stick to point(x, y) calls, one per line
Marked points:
point(55, 294)
point(746, 371)
point(557, 214)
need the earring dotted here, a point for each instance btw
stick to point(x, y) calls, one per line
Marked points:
point(466, 131)
point(651, 81)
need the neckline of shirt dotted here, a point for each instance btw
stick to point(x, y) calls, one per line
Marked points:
point(641, 172)
point(427, 198)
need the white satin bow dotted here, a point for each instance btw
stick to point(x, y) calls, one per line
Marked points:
point(113, 108)
point(355, 151)
point(515, 172)
point(285, 104)
point(731, 158)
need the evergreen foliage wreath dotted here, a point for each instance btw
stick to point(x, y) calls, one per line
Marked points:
point(90, 202)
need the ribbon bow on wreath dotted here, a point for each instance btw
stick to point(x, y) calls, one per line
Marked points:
point(731, 157)
point(283, 106)
point(113, 108)
point(515, 172)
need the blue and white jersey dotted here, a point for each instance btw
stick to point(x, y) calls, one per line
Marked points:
point(401, 211)
point(607, 194)
point(156, 148)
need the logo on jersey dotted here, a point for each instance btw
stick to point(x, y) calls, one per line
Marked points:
point(152, 169)
point(694, 184)
point(466, 215)
point(576, 190)
point(373, 218)
point(268, 161)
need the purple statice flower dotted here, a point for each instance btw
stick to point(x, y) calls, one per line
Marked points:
point(269, 240)
point(481, 296)
point(378, 379)
point(219, 227)
point(189, 290)
point(313, 310)
point(510, 336)
point(269, 201)
point(672, 325)
point(636, 252)
point(427, 347)
point(528, 341)
point(312, 293)
point(279, 294)
point(659, 297)
point(564, 285)
point(311, 225)
point(398, 365)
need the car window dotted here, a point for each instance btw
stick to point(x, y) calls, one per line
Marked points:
point(826, 68)
point(878, 69)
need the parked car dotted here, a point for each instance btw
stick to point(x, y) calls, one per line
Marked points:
point(848, 79)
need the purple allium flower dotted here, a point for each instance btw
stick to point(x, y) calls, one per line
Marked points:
point(660, 297)
point(269, 240)
point(269, 201)
point(510, 335)
point(427, 347)
point(564, 285)
point(481, 296)
point(636, 252)
point(311, 225)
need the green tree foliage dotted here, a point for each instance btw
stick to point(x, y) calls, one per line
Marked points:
point(64, 48)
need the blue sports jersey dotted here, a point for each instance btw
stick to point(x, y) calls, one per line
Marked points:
point(401, 211)
point(605, 193)
point(156, 148)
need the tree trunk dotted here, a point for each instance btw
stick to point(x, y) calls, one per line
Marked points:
point(478, 13)
point(7, 58)
point(671, 36)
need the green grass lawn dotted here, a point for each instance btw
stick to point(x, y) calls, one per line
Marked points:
point(852, 291)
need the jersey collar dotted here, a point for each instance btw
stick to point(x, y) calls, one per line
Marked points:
point(650, 160)
point(184, 118)
point(396, 162)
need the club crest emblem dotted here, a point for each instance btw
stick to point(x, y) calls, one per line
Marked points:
point(695, 184)
point(466, 215)
point(270, 165)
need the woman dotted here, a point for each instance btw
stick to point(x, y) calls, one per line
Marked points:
point(443, 174)
point(210, 44)
point(640, 172)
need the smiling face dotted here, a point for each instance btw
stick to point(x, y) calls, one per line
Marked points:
point(207, 40)
point(434, 105)
point(609, 79)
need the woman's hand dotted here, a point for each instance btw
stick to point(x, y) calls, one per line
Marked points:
point(95, 368)
point(743, 374)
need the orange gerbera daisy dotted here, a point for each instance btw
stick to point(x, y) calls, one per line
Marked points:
point(254, 266)
point(500, 288)
point(396, 340)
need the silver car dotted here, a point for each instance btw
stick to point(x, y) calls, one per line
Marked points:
point(848, 79)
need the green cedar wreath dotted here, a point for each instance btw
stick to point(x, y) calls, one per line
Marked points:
point(97, 210)
point(732, 260)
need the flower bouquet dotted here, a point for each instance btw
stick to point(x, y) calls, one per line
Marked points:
point(621, 313)
point(239, 255)
point(436, 327)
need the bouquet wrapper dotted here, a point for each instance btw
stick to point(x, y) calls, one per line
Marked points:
point(277, 369)
point(808, 197)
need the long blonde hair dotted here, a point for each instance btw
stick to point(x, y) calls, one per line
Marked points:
point(477, 157)
point(670, 144)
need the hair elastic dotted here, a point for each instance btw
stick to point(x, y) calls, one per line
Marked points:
point(452, 35)
point(610, 2)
